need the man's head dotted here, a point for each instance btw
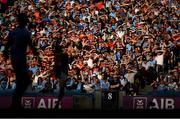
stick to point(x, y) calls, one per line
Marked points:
point(22, 19)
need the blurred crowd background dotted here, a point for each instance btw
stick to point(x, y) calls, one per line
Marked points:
point(124, 45)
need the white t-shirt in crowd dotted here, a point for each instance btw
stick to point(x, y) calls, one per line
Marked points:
point(130, 77)
point(90, 63)
point(42, 1)
point(35, 81)
point(99, 77)
point(160, 59)
point(123, 82)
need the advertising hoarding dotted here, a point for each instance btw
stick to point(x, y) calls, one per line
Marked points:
point(148, 102)
point(39, 102)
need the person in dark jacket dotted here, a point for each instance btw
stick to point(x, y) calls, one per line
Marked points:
point(61, 68)
point(18, 41)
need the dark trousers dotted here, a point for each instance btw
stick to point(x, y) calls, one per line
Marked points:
point(22, 82)
point(62, 84)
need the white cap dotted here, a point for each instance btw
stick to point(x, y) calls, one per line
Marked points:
point(94, 75)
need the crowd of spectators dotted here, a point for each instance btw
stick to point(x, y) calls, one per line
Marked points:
point(112, 44)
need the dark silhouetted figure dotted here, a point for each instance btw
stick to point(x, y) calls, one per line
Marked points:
point(18, 40)
point(61, 68)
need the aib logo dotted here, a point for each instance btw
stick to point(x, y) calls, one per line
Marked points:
point(139, 102)
point(28, 102)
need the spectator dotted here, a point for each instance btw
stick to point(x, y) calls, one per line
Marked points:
point(115, 84)
point(80, 85)
point(71, 84)
point(162, 86)
point(154, 85)
point(104, 84)
point(172, 86)
point(130, 75)
point(95, 83)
